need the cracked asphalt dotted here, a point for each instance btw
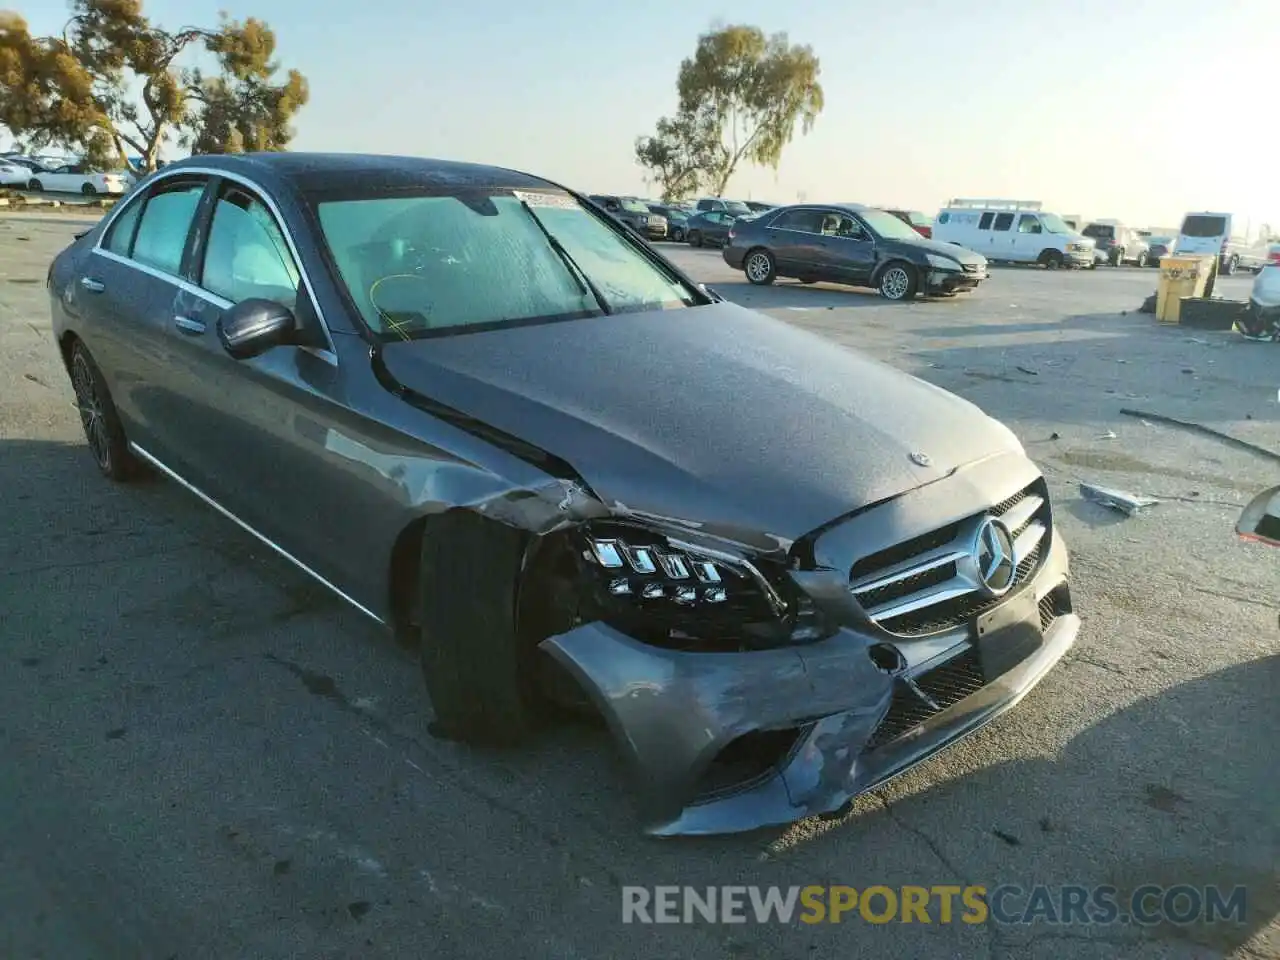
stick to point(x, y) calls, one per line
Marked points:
point(203, 754)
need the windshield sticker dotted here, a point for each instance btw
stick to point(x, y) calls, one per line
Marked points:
point(556, 200)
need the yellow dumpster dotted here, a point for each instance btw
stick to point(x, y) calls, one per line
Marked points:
point(1180, 277)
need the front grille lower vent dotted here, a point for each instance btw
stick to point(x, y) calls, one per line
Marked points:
point(928, 583)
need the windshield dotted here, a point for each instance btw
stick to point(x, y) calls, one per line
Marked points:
point(1099, 231)
point(888, 226)
point(417, 266)
point(635, 206)
point(1160, 241)
point(1054, 223)
point(1202, 226)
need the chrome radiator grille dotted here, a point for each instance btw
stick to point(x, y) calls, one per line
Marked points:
point(931, 583)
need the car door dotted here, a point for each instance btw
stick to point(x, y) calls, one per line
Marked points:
point(267, 449)
point(127, 286)
point(795, 239)
point(1028, 238)
point(848, 252)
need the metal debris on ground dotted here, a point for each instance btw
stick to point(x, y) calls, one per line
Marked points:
point(1109, 435)
point(1127, 503)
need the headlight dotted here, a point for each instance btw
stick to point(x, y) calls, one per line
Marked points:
point(942, 263)
point(670, 592)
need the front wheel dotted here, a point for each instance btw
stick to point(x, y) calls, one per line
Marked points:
point(102, 427)
point(88, 190)
point(760, 268)
point(1143, 259)
point(898, 282)
point(677, 235)
point(478, 671)
point(1052, 259)
point(35, 185)
point(1230, 267)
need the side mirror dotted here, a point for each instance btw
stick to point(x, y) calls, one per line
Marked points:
point(253, 327)
point(1261, 518)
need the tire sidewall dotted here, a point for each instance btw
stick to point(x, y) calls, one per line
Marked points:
point(896, 269)
point(770, 273)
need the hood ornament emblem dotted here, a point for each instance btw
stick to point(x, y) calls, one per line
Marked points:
point(920, 459)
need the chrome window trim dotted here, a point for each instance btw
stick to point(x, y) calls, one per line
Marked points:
point(173, 475)
point(262, 195)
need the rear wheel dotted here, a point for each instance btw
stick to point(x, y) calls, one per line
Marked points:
point(1052, 259)
point(88, 190)
point(759, 267)
point(102, 427)
point(695, 238)
point(1143, 259)
point(1231, 265)
point(477, 670)
point(677, 235)
point(1117, 258)
point(898, 282)
point(35, 185)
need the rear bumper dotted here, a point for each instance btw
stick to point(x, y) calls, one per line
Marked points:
point(734, 256)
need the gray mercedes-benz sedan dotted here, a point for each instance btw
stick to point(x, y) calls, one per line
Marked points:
point(491, 418)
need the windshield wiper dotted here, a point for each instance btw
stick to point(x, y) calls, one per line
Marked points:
point(579, 275)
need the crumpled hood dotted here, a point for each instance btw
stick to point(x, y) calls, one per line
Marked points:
point(954, 251)
point(716, 415)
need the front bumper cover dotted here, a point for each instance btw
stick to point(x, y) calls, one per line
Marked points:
point(672, 712)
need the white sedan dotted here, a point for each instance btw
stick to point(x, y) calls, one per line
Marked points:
point(74, 178)
point(13, 174)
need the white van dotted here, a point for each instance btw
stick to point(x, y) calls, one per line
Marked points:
point(1206, 233)
point(1013, 230)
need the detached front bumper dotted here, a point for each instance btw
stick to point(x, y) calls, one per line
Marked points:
point(835, 722)
point(953, 281)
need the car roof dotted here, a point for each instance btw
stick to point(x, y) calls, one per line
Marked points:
point(322, 172)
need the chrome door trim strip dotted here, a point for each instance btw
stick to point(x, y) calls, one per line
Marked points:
point(248, 529)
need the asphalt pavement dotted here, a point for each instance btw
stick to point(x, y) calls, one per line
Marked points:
point(206, 755)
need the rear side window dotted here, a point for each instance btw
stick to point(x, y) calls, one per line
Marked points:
point(806, 221)
point(985, 222)
point(120, 235)
point(247, 256)
point(166, 221)
point(1202, 226)
point(1003, 221)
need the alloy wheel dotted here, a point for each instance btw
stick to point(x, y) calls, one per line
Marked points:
point(758, 268)
point(895, 283)
point(89, 402)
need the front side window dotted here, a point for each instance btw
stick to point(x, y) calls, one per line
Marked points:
point(119, 236)
point(421, 265)
point(166, 221)
point(1029, 224)
point(246, 255)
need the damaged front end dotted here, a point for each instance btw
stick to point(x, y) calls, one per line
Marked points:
point(752, 689)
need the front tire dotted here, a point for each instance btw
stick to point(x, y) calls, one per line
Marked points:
point(477, 672)
point(1144, 259)
point(759, 267)
point(677, 235)
point(898, 282)
point(35, 186)
point(102, 427)
point(1052, 259)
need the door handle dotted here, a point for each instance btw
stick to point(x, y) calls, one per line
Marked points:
point(192, 328)
point(92, 285)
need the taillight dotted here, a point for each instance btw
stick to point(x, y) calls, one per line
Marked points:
point(1274, 256)
point(732, 232)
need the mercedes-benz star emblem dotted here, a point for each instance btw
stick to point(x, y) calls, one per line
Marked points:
point(993, 556)
point(920, 459)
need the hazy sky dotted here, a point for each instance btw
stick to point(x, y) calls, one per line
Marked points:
point(1134, 109)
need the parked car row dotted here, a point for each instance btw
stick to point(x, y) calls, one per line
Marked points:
point(43, 174)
